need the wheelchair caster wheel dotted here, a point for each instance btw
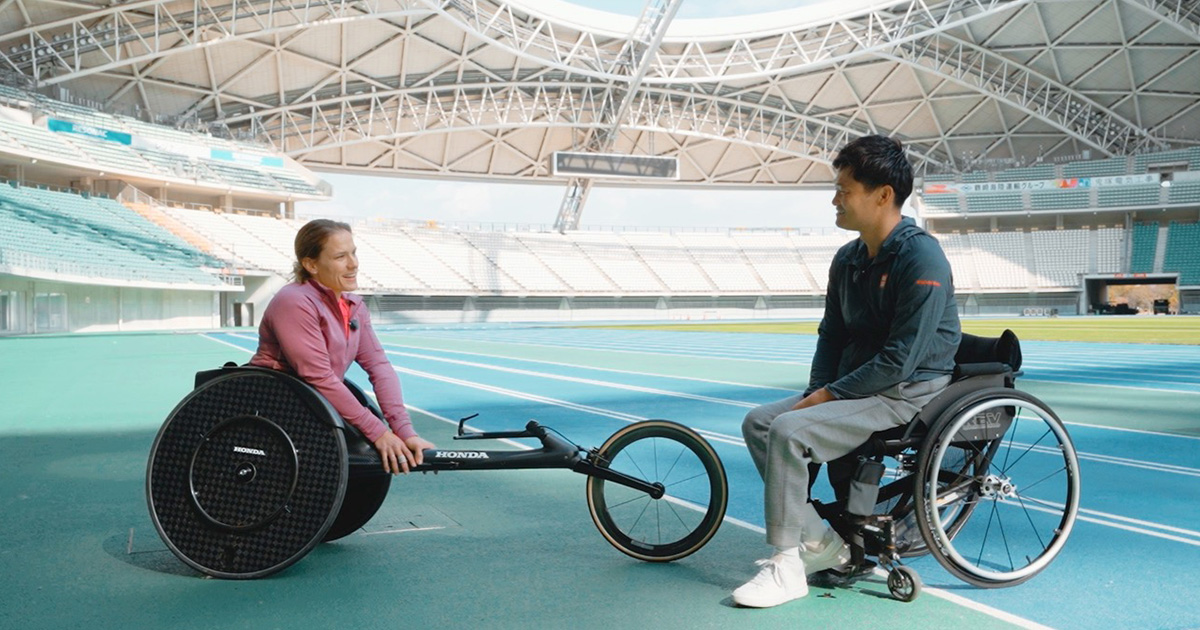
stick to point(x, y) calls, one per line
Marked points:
point(903, 583)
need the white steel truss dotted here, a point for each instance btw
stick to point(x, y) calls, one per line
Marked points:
point(490, 88)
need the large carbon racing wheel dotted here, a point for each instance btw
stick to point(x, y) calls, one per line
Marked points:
point(248, 473)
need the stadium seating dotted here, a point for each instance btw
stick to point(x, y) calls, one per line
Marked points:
point(147, 150)
point(1059, 257)
point(722, 261)
point(776, 261)
point(434, 276)
point(1183, 252)
point(619, 262)
point(67, 233)
point(670, 261)
point(248, 249)
point(992, 202)
point(942, 203)
point(962, 260)
point(1028, 173)
point(1001, 260)
point(1110, 250)
point(1129, 196)
point(1184, 192)
point(1145, 246)
point(817, 251)
point(1074, 199)
point(1143, 162)
point(1096, 168)
point(505, 252)
point(560, 253)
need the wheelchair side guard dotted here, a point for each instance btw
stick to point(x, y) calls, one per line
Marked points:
point(985, 426)
point(368, 484)
point(953, 393)
point(247, 473)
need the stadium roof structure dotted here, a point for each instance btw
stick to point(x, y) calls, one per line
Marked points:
point(492, 88)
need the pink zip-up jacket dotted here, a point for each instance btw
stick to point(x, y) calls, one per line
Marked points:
point(302, 333)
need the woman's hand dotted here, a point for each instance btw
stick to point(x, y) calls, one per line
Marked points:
point(398, 455)
point(417, 445)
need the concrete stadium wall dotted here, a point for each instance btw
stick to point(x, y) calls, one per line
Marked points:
point(40, 306)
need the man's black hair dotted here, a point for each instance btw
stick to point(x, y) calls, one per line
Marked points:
point(877, 160)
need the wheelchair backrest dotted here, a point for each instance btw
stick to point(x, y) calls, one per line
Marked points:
point(980, 363)
point(1004, 349)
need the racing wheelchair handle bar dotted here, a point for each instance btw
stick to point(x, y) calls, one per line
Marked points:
point(556, 452)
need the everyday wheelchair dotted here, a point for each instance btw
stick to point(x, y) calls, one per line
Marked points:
point(254, 468)
point(985, 479)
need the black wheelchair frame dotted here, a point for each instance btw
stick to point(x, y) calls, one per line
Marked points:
point(981, 447)
point(254, 468)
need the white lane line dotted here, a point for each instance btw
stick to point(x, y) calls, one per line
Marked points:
point(589, 367)
point(985, 609)
point(741, 356)
point(1127, 430)
point(1122, 522)
point(1110, 459)
point(232, 345)
point(642, 351)
point(576, 379)
point(1142, 388)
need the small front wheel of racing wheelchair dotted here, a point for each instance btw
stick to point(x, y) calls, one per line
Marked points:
point(997, 488)
point(692, 477)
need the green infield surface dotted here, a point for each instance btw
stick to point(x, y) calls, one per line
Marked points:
point(1104, 329)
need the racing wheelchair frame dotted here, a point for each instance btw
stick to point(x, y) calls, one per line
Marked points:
point(985, 479)
point(254, 468)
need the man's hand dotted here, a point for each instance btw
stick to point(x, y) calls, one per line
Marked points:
point(820, 396)
point(398, 455)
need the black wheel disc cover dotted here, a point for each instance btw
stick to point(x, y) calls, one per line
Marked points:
point(247, 474)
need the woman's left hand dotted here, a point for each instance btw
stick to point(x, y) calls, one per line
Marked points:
point(417, 445)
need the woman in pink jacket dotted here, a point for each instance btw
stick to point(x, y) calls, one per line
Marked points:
point(314, 328)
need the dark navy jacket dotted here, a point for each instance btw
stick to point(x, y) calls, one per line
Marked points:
point(888, 320)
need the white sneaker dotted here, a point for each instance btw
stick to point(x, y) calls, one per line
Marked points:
point(834, 553)
point(780, 580)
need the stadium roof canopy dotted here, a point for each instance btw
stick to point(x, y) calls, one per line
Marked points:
point(490, 89)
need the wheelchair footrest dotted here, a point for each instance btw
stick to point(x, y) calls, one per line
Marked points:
point(843, 576)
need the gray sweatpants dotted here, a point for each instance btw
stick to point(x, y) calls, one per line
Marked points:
point(783, 442)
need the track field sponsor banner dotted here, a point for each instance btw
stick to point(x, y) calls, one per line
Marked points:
point(247, 159)
point(63, 126)
point(1042, 184)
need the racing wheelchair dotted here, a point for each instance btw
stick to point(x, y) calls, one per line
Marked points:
point(985, 479)
point(254, 468)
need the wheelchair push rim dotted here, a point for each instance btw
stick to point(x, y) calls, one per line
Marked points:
point(688, 514)
point(1022, 489)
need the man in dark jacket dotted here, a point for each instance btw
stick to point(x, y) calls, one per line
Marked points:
point(885, 348)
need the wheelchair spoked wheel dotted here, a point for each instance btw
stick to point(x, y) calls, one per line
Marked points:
point(956, 466)
point(896, 500)
point(685, 518)
point(997, 488)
